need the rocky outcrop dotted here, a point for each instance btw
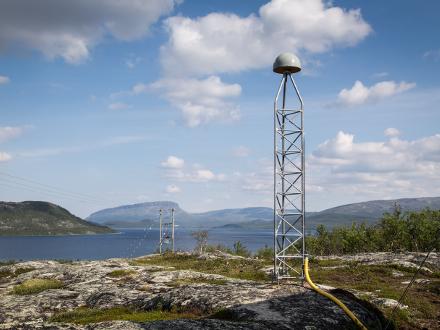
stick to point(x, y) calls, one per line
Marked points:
point(410, 260)
point(223, 303)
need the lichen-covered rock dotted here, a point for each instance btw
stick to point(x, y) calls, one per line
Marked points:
point(243, 304)
point(405, 259)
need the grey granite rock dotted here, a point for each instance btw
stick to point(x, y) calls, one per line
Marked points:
point(246, 304)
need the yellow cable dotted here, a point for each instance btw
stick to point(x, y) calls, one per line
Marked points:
point(331, 297)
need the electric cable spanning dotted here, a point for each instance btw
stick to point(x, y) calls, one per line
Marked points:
point(14, 181)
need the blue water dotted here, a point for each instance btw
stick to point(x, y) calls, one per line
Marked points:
point(127, 243)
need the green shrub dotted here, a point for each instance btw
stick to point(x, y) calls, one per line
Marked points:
point(265, 253)
point(240, 250)
point(397, 231)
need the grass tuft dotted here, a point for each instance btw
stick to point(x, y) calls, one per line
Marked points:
point(85, 315)
point(245, 269)
point(36, 285)
point(121, 273)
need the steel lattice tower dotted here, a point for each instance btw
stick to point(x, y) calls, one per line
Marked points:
point(165, 237)
point(289, 182)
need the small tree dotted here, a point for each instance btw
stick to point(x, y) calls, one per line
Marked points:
point(201, 237)
point(240, 249)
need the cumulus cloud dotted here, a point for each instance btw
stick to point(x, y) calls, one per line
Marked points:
point(195, 175)
point(4, 80)
point(391, 168)
point(222, 42)
point(173, 162)
point(175, 169)
point(392, 132)
point(9, 132)
point(200, 100)
point(4, 157)
point(69, 29)
point(172, 189)
point(360, 94)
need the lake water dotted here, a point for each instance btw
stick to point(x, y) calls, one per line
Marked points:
point(127, 243)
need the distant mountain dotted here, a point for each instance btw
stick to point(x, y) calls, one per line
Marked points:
point(139, 215)
point(43, 218)
point(147, 214)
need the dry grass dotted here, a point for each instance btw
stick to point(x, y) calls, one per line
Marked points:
point(84, 315)
point(36, 285)
point(245, 269)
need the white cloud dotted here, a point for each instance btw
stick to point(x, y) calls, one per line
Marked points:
point(380, 74)
point(69, 29)
point(173, 162)
point(8, 132)
point(4, 80)
point(172, 189)
point(200, 100)
point(360, 94)
point(4, 157)
point(392, 168)
point(259, 181)
point(175, 169)
point(195, 175)
point(222, 42)
point(140, 88)
point(392, 132)
point(241, 151)
point(118, 106)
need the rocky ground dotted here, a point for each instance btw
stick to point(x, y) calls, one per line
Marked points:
point(213, 301)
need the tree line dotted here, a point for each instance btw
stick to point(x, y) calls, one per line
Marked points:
point(395, 232)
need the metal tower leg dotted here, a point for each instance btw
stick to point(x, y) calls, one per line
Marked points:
point(289, 184)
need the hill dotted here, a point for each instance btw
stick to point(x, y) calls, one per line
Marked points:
point(146, 214)
point(43, 218)
point(141, 213)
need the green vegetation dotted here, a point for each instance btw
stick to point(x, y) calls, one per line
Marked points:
point(218, 247)
point(8, 273)
point(121, 273)
point(36, 285)
point(43, 218)
point(245, 269)
point(7, 262)
point(380, 281)
point(265, 253)
point(241, 250)
point(410, 231)
point(201, 238)
point(84, 315)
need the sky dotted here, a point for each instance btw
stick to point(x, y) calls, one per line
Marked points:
point(107, 102)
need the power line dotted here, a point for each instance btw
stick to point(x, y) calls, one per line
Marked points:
point(17, 182)
point(33, 189)
point(53, 188)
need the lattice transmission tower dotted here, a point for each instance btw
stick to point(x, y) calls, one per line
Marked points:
point(289, 181)
point(166, 232)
